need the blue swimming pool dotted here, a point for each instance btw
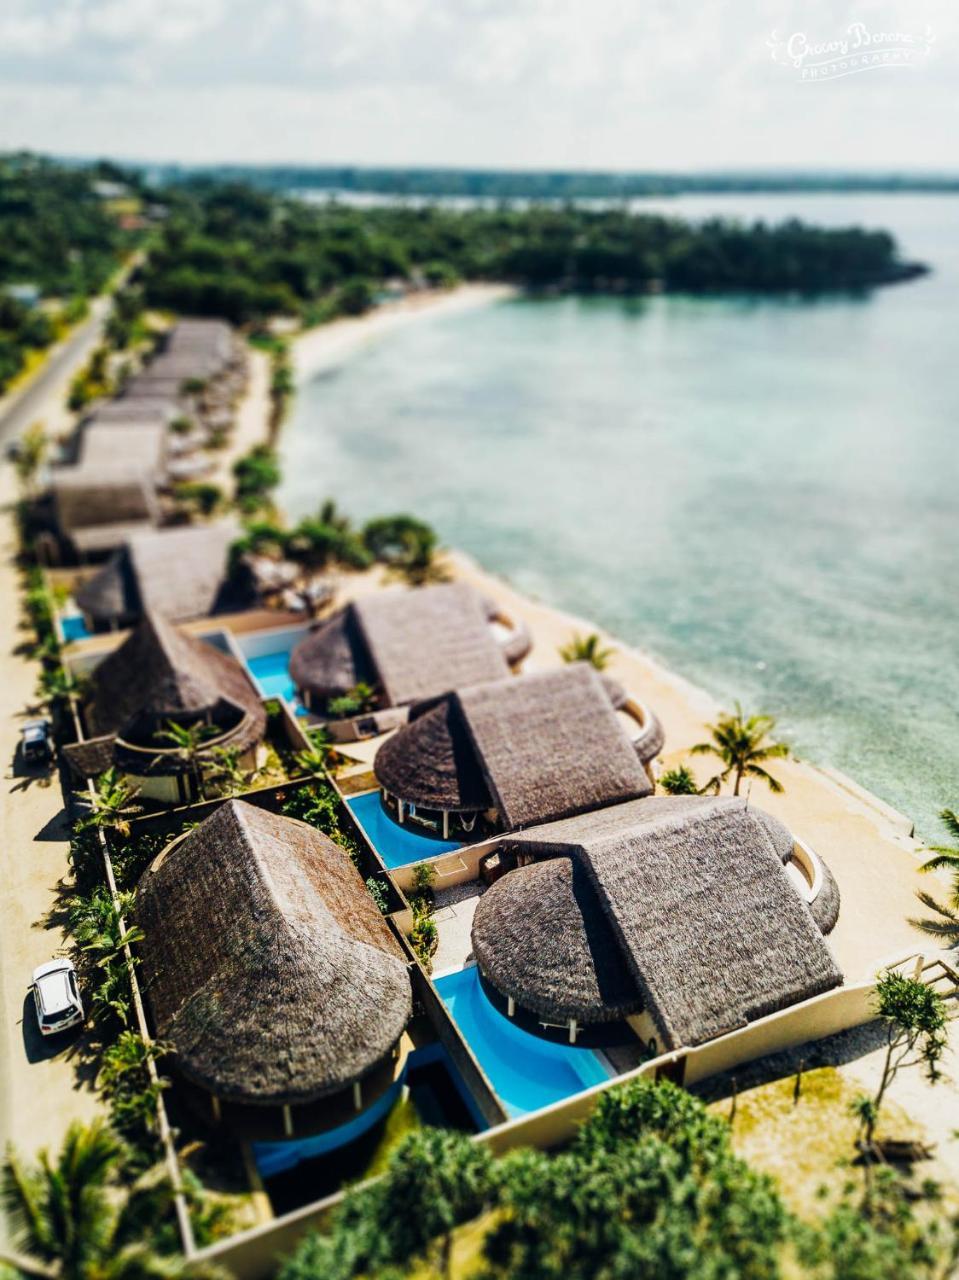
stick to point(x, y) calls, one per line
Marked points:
point(74, 627)
point(397, 846)
point(526, 1071)
point(271, 672)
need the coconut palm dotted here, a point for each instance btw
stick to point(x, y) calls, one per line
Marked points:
point(70, 1213)
point(320, 755)
point(32, 449)
point(741, 743)
point(587, 649)
point(96, 923)
point(189, 740)
point(110, 804)
point(944, 923)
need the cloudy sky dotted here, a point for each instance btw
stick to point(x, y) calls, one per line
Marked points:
point(492, 83)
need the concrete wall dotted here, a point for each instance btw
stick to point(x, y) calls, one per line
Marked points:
point(252, 1255)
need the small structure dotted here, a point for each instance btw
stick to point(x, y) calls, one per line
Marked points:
point(97, 509)
point(514, 752)
point(407, 645)
point(270, 970)
point(182, 573)
point(160, 676)
point(683, 914)
point(138, 448)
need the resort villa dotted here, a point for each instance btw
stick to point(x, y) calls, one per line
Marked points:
point(406, 646)
point(181, 573)
point(272, 974)
point(158, 677)
point(97, 509)
point(513, 753)
point(687, 917)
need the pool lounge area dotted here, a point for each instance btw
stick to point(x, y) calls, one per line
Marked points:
point(526, 1071)
point(397, 846)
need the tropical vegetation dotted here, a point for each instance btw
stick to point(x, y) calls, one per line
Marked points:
point(943, 924)
point(742, 743)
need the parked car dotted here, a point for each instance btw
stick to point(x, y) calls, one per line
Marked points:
point(56, 997)
point(35, 744)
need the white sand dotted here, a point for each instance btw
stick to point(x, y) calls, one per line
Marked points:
point(329, 345)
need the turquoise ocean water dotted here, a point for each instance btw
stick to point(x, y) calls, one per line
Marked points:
point(763, 493)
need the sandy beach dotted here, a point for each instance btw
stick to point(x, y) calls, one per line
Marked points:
point(868, 845)
point(329, 345)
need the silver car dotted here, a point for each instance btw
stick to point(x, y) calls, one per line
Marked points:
point(56, 997)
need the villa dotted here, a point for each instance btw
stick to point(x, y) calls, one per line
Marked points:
point(97, 509)
point(271, 973)
point(181, 573)
point(689, 917)
point(407, 646)
point(157, 677)
point(513, 753)
point(108, 444)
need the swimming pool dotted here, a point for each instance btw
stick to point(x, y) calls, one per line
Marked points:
point(397, 846)
point(526, 1071)
point(74, 627)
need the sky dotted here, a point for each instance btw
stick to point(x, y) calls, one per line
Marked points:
point(557, 84)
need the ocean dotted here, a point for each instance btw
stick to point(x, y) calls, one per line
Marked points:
point(760, 492)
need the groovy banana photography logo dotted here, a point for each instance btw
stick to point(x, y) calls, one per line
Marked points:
point(857, 49)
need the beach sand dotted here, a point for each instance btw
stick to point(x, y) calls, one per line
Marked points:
point(329, 345)
point(866, 844)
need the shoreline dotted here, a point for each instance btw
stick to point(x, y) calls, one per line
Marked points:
point(327, 346)
point(869, 846)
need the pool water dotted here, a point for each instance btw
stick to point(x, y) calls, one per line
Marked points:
point(271, 671)
point(74, 628)
point(526, 1071)
point(397, 846)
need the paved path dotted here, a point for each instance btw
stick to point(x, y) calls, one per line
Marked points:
point(40, 1089)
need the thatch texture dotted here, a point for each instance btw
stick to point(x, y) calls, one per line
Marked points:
point(536, 747)
point(541, 936)
point(160, 674)
point(98, 508)
point(332, 659)
point(697, 902)
point(268, 966)
point(180, 573)
point(409, 644)
point(113, 444)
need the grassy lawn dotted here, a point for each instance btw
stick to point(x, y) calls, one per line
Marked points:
point(805, 1143)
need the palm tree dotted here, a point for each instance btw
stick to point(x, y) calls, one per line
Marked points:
point(679, 781)
point(96, 923)
point(741, 744)
point(586, 649)
point(110, 804)
point(229, 773)
point(189, 740)
point(71, 1213)
point(31, 452)
point(945, 858)
point(56, 683)
point(320, 754)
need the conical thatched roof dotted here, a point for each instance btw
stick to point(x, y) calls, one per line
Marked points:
point(691, 896)
point(179, 573)
point(535, 747)
point(410, 644)
point(268, 966)
point(160, 674)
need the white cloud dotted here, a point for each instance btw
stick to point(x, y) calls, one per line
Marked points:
point(661, 83)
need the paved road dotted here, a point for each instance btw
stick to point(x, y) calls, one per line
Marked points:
point(45, 392)
point(41, 1088)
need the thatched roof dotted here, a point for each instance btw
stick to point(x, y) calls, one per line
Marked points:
point(411, 644)
point(97, 508)
point(112, 444)
point(161, 674)
point(181, 573)
point(696, 902)
point(268, 966)
point(534, 747)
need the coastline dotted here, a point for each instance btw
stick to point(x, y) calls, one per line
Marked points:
point(326, 346)
point(869, 845)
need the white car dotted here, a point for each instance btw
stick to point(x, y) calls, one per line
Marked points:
point(56, 997)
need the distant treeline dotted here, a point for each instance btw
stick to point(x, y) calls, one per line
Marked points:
point(483, 184)
point(58, 240)
point(232, 250)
